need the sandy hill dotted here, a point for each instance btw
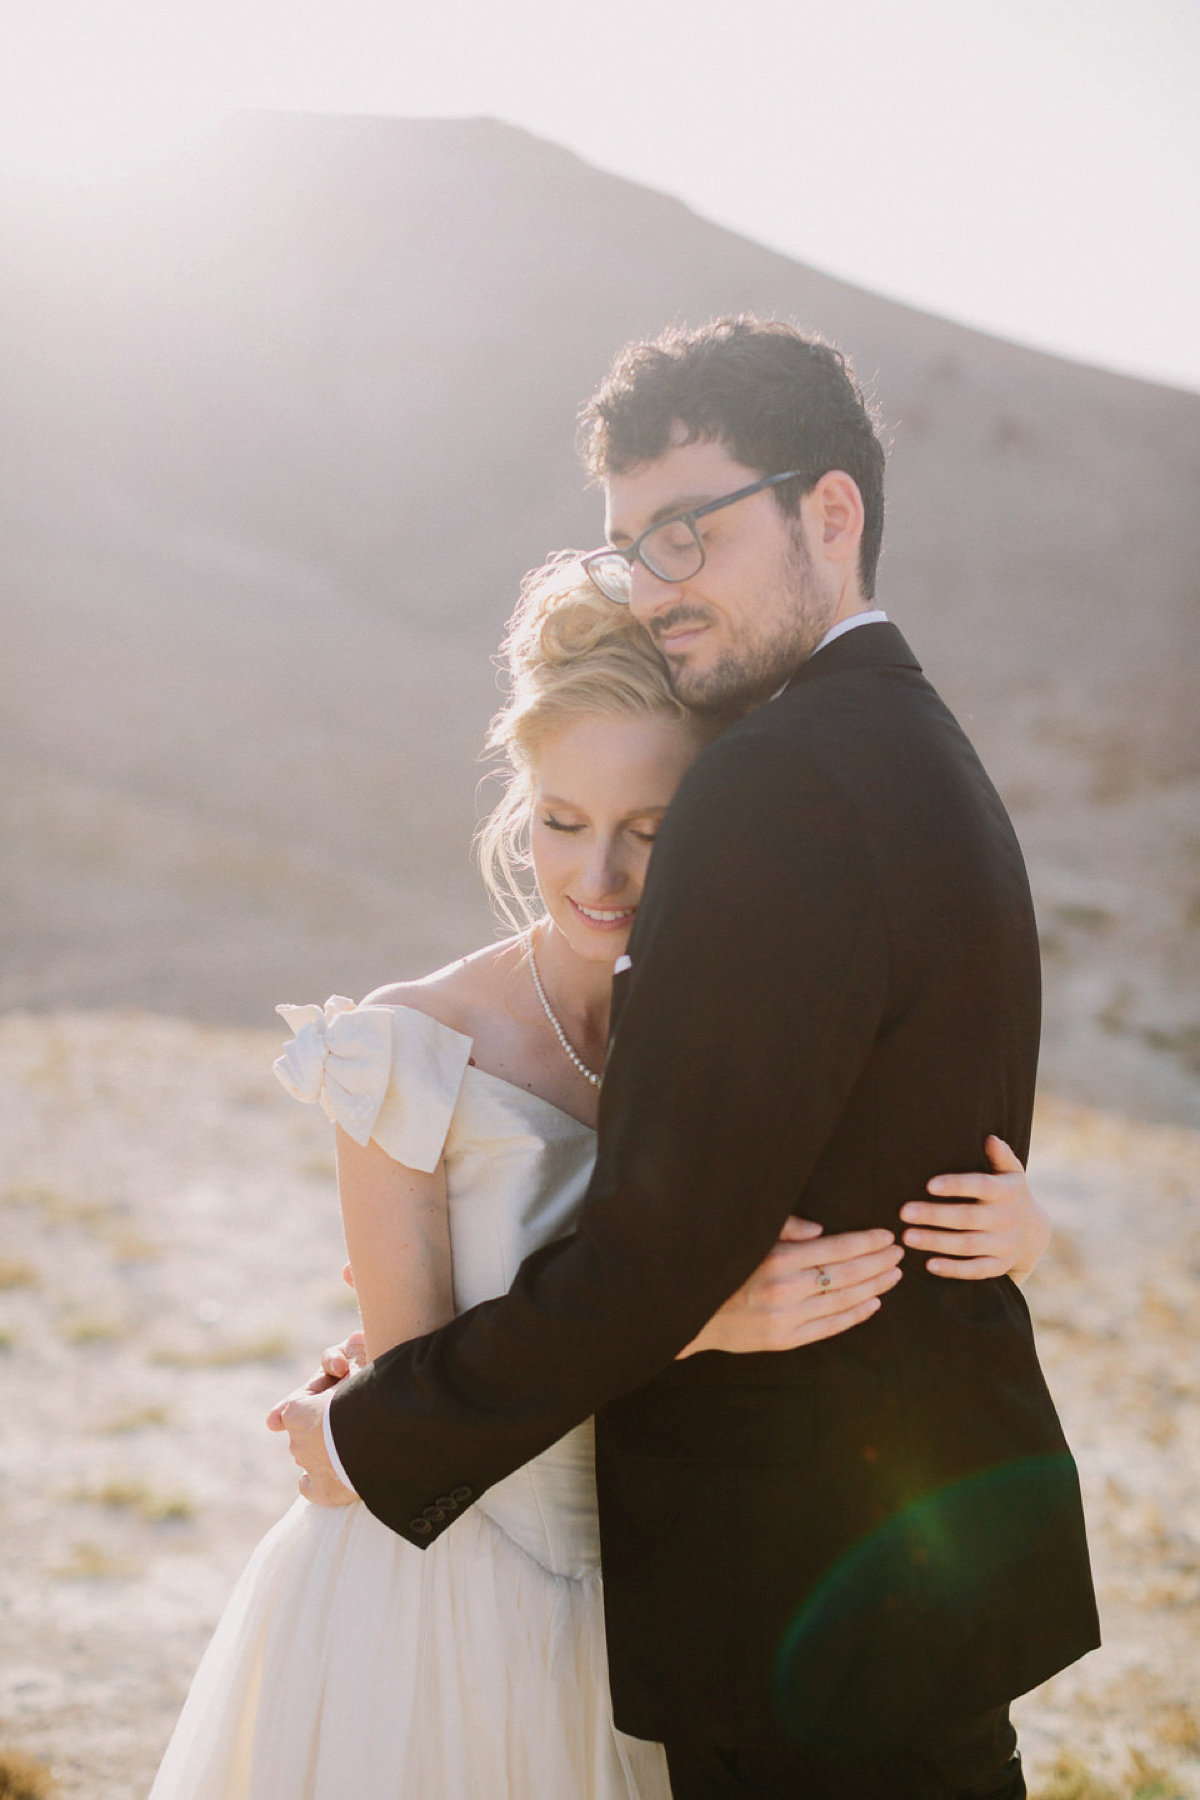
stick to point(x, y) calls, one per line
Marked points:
point(282, 431)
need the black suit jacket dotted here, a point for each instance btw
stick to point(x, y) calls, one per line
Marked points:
point(833, 994)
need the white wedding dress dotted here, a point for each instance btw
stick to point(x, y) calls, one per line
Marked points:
point(350, 1665)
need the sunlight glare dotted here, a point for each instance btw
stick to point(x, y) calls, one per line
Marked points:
point(93, 149)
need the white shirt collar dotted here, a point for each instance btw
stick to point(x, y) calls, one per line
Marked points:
point(876, 616)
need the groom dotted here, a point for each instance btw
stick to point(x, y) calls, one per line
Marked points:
point(827, 1571)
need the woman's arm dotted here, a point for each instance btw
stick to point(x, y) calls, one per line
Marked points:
point(398, 1239)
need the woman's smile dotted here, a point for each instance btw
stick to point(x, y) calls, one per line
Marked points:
point(604, 918)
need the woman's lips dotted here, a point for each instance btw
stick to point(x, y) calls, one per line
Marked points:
point(604, 918)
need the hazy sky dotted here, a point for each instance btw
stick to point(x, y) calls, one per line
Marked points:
point(1028, 166)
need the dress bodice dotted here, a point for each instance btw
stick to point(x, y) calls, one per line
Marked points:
point(516, 1172)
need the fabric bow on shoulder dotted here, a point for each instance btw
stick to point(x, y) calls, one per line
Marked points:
point(340, 1059)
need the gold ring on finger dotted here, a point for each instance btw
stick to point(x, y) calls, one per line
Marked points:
point(824, 1278)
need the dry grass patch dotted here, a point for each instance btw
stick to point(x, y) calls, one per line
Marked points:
point(17, 1274)
point(271, 1348)
point(1179, 1729)
point(90, 1331)
point(137, 1497)
point(56, 1207)
point(1071, 1779)
point(137, 1420)
point(24, 1778)
point(131, 1247)
point(90, 1562)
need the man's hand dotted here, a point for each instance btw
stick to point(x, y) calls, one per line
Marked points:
point(302, 1416)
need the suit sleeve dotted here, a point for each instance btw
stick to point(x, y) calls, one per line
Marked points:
point(758, 980)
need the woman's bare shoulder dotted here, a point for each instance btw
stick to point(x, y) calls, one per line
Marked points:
point(460, 994)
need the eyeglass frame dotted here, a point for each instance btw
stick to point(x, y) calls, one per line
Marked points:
point(632, 553)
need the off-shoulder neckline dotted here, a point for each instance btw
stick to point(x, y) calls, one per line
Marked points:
point(528, 1094)
point(513, 1086)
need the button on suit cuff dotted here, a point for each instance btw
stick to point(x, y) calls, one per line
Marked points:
point(335, 1459)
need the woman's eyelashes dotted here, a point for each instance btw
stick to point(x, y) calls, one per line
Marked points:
point(643, 834)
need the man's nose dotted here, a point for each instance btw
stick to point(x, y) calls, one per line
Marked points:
point(649, 593)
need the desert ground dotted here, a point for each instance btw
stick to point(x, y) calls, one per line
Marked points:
point(170, 1260)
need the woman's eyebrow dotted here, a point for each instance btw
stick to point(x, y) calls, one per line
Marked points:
point(639, 812)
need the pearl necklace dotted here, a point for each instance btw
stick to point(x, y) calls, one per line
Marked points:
point(560, 1034)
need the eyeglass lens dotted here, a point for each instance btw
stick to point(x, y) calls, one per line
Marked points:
point(613, 576)
point(672, 551)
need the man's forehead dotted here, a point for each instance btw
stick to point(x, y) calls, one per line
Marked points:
point(685, 475)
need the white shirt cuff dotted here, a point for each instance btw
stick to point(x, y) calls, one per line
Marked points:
point(335, 1459)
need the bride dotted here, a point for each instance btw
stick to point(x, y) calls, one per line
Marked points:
point(348, 1663)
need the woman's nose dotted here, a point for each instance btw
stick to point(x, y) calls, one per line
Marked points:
point(604, 874)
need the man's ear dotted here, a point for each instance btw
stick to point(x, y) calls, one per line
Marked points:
point(836, 516)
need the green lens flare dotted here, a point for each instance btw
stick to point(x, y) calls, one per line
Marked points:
point(874, 1641)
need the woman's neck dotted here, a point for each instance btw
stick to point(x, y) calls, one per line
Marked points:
point(580, 991)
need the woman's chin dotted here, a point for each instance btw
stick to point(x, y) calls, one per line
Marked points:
point(592, 943)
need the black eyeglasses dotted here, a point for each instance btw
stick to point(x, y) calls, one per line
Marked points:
point(672, 549)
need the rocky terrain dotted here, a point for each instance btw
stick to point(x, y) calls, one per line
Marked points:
point(170, 1265)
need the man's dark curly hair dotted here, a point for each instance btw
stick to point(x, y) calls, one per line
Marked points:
point(775, 398)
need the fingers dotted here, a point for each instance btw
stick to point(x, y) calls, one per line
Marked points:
point(835, 1301)
point(338, 1359)
point(791, 1286)
point(348, 1275)
point(943, 1215)
point(796, 1231)
point(797, 1308)
point(970, 1187)
point(836, 1323)
point(970, 1268)
point(829, 1252)
point(953, 1243)
point(978, 1186)
point(275, 1416)
point(325, 1490)
point(1002, 1159)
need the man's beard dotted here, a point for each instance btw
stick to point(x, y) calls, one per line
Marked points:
point(750, 672)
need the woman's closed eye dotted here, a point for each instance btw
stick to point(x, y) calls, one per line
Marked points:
point(645, 834)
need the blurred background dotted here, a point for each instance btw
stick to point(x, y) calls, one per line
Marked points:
point(298, 308)
point(289, 407)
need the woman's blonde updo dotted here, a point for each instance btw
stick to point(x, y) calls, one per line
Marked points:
point(568, 653)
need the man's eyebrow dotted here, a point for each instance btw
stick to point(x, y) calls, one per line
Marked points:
point(683, 504)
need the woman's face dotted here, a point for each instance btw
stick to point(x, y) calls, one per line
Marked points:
point(600, 788)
